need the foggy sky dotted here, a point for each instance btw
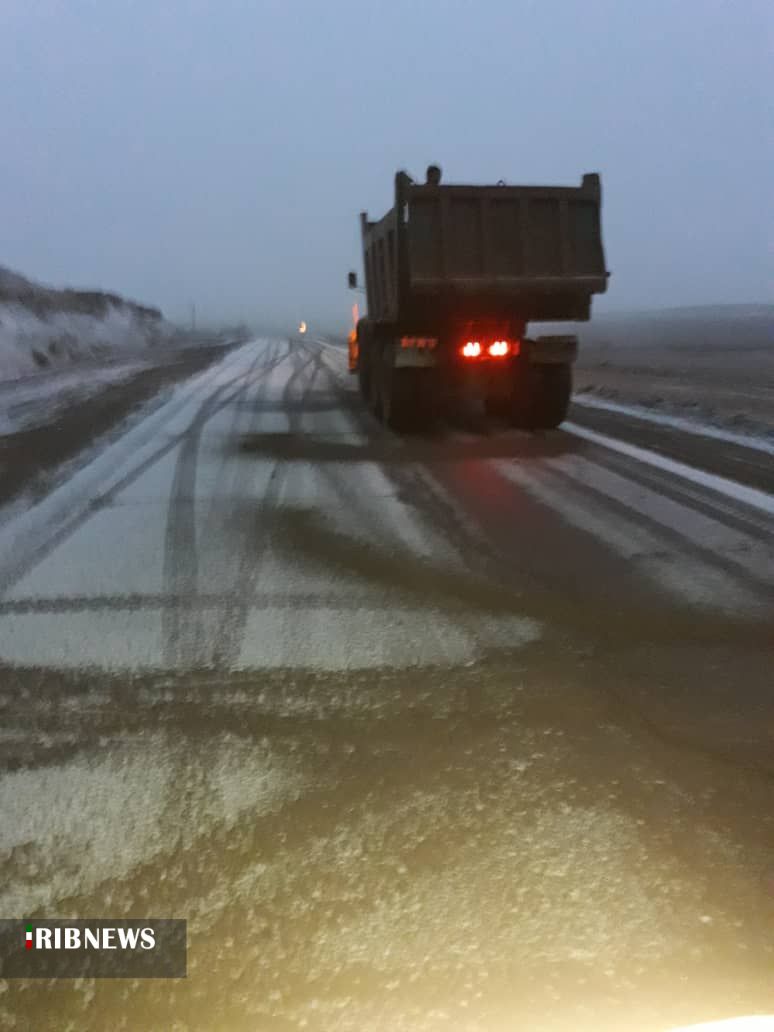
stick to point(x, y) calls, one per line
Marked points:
point(219, 152)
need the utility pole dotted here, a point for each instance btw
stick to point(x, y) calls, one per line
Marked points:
point(193, 316)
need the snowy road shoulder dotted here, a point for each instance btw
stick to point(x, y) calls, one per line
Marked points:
point(684, 425)
point(35, 401)
point(26, 534)
point(756, 499)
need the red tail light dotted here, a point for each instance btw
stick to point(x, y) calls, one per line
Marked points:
point(495, 349)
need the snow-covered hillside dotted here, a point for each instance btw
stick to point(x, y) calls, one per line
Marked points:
point(42, 328)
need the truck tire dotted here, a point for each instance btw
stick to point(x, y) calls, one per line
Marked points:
point(375, 375)
point(396, 396)
point(364, 372)
point(409, 398)
point(368, 369)
point(541, 395)
point(365, 360)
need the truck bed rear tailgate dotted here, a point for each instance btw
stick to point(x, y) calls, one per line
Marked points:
point(505, 239)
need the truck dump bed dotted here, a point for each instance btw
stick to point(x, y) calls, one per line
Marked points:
point(534, 250)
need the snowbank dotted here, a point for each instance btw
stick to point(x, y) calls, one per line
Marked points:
point(41, 328)
point(29, 343)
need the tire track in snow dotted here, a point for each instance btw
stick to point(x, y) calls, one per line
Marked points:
point(231, 627)
point(437, 516)
point(711, 545)
point(181, 622)
point(603, 517)
point(59, 516)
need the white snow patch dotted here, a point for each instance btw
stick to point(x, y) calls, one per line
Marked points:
point(679, 573)
point(677, 423)
point(339, 349)
point(32, 401)
point(30, 343)
point(98, 817)
point(739, 492)
point(24, 533)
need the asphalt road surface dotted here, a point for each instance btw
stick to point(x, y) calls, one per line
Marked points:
point(472, 730)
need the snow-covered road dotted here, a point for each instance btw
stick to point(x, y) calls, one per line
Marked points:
point(472, 730)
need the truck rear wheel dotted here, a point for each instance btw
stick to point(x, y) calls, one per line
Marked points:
point(365, 360)
point(408, 398)
point(363, 373)
point(541, 395)
point(396, 397)
point(375, 385)
point(371, 364)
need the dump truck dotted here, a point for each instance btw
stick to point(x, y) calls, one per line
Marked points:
point(454, 274)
